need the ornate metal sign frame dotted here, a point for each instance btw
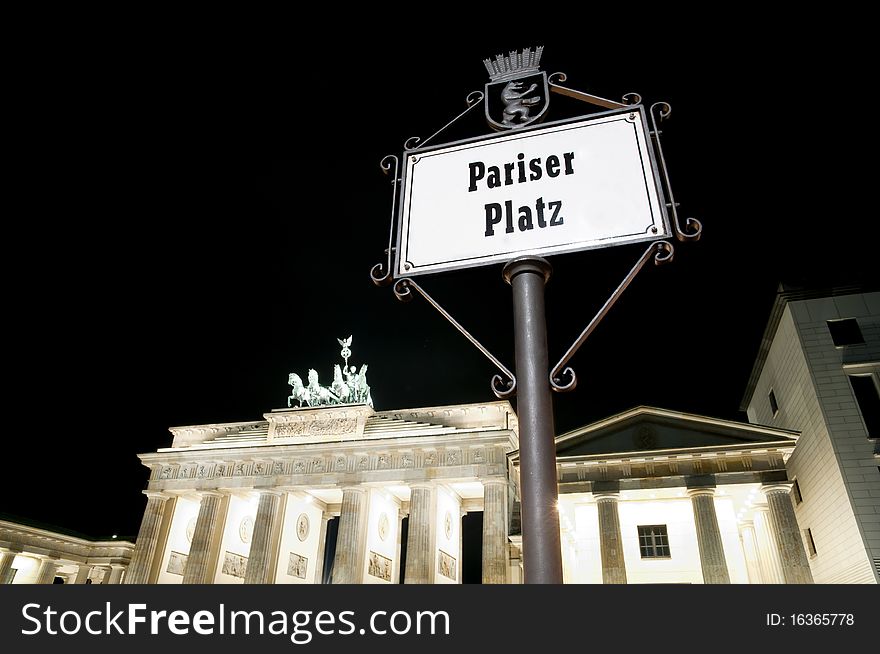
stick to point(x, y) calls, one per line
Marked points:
point(411, 157)
point(527, 276)
point(562, 377)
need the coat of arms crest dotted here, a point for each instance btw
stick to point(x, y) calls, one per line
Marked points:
point(517, 93)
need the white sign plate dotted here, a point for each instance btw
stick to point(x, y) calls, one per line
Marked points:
point(574, 185)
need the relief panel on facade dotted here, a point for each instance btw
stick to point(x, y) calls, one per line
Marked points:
point(246, 529)
point(380, 566)
point(297, 565)
point(446, 565)
point(234, 565)
point(302, 527)
point(334, 426)
point(176, 563)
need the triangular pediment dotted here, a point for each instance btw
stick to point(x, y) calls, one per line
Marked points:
point(645, 429)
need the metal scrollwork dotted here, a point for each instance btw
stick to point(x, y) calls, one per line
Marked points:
point(664, 254)
point(503, 387)
point(554, 81)
point(693, 228)
point(563, 377)
point(381, 274)
point(632, 98)
point(401, 290)
point(414, 142)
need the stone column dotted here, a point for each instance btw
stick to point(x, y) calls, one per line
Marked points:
point(420, 539)
point(46, 573)
point(82, 573)
point(495, 548)
point(105, 573)
point(610, 540)
point(750, 551)
point(516, 571)
point(709, 536)
point(395, 571)
point(460, 569)
point(6, 559)
point(264, 540)
point(201, 566)
point(789, 545)
point(116, 571)
point(348, 564)
point(322, 547)
point(148, 538)
point(768, 557)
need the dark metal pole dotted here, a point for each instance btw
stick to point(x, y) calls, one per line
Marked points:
point(542, 552)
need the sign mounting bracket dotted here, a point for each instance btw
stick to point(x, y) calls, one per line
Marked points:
point(628, 99)
point(503, 388)
point(663, 253)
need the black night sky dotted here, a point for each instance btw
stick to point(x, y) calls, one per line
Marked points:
point(187, 224)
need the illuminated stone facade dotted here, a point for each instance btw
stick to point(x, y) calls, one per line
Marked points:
point(645, 496)
point(33, 555)
point(819, 348)
point(250, 502)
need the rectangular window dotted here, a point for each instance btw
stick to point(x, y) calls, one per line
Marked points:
point(868, 399)
point(811, 544)
point(845, 332)
point(774, 405)
point(654, 542)
point(796, 492)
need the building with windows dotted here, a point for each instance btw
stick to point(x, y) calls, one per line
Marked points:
point(346, 494)
point(818, 372)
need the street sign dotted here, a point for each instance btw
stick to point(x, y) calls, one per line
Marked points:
point(531, 190)
point(571, 185)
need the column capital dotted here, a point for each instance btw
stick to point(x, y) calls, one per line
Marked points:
point(703, 490)
point(776, 487)
point(211, 492)
point(427, 485)
point(157, 495)
point(270, 491)
point(51, 556)
point(355, 489)
point(494, 480)
point(747, 524)
point(605, 495)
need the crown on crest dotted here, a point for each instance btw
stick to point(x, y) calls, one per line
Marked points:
point(514, 64)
